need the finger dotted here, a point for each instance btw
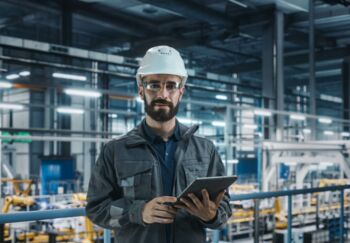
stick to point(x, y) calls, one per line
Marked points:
point(219, 198)
point(165, 199)
point(163, 214)
point(188, 204)
point(165, 208)
point(206, 198)
point(161, 220)
point(195, 200)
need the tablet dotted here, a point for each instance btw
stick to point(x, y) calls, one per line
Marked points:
point(214, 186)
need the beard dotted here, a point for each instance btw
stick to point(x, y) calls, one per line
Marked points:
point(161, 115)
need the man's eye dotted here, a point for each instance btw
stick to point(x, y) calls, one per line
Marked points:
point(154, 86)
point(171, 86)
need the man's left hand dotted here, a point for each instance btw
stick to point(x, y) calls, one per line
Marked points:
point(206, 209)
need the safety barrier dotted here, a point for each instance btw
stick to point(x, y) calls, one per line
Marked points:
point(76, 212)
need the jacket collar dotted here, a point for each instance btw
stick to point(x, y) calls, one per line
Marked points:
point(137, 136)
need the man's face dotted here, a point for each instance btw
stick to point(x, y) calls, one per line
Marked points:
point(162, 94)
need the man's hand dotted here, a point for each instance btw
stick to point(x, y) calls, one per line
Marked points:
point(156, 212)
point(206, 209)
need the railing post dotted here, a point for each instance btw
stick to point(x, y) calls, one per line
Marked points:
point(341, 216)
point(216, 236)
point(2, 232)
point(256, 222)
point(106, 236)
point(290, 218)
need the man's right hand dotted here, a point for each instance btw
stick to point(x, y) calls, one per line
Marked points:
point(155, 211)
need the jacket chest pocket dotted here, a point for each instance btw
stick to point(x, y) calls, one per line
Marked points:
point(136, 179)
point(194, 169)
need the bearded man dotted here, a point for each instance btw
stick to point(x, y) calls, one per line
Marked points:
point(138, 176)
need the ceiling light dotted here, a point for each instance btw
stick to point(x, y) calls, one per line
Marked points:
point(112, 115)
point(138, 99)
point(262, 112)
point(24, 73)
point(297, 117)
point(307, 131)
point(250, 126)
point(69, 76)
point(328, 133)
point(12, 76)
point(291, 163)
point(8, 106)
point(188, 121)
point(85, 93)
point(68, 110)
point(218, 123)
point(345, 134)
point(325, 120)
point(5, 85)
point(221, 97)
point(232, 161)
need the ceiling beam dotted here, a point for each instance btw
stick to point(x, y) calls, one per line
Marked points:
point(290, 59)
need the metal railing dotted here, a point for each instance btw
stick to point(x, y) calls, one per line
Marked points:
point(76, 212)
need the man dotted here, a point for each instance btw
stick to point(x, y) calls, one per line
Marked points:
point(139, 174)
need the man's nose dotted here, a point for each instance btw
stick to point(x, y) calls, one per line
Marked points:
point(163, 92)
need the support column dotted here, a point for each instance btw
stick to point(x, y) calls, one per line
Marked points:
point(66, 23)
point(346, 92)
point(1, 63)
point(312, 82)
point(36, 120)
point(227, 135)
point(279, 20)
point(104, 105)
point(268, 77)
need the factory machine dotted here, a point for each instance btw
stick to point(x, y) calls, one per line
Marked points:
point(78, 229)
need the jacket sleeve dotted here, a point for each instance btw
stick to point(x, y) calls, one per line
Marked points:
point(216, 168)
point(106, 205)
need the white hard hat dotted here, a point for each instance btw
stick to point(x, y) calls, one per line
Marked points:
point(162, 60)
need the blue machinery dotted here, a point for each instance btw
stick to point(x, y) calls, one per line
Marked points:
point(75, 212)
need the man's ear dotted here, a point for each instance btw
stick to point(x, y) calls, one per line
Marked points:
point(140, 92)
point(182, 91)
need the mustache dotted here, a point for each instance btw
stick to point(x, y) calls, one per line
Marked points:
point(160, 101)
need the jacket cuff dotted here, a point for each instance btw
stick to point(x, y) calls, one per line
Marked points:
point(135, 212)
point(215, 223)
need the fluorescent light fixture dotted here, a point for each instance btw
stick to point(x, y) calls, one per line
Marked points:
point(221, 97)
point(262, 112)
point(325, 120)
point(291, 163)
point(69, 110)
point(85, 93)
point(345, 134)
point(307, 131)
point(138, 99)
point(218, 123)
point(328, 133)
point(5, 85)
point(24, 73)
point(232, 161)
point(238, 3)
point(112, 115)
point(250, 126)
point(69, 76)
point(7, 106)
point(188, 121)
point(297, 117)
point(12, 76)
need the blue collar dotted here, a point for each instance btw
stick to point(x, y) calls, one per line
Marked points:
point(152, 137)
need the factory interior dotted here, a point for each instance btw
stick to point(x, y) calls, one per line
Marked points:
point(268, 85)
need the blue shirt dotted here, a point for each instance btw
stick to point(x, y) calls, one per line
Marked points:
point(165, 152)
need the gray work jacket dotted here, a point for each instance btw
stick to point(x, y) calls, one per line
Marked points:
point(127, 175)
